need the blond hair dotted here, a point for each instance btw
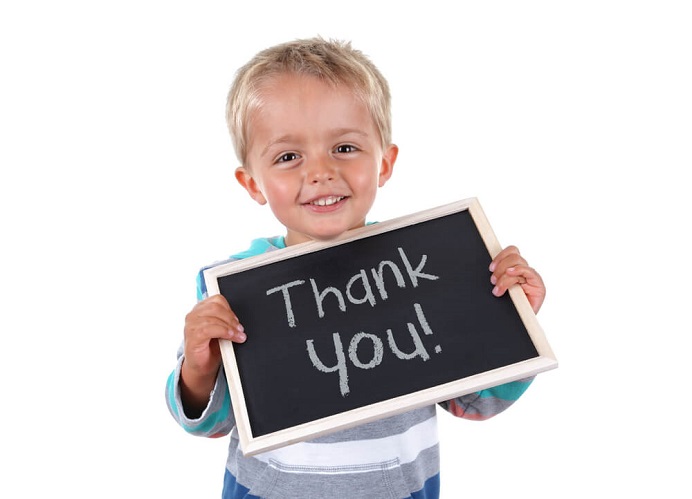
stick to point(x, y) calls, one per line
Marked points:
point(334, 62)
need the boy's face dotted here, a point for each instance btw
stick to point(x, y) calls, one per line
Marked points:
point(315, 155)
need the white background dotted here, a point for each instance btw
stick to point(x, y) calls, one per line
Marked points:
point(570, 121)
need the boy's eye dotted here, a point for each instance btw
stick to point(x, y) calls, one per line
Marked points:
point(289, 156)
point(346, 148)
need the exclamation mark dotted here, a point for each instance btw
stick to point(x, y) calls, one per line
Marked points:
point(424, 324)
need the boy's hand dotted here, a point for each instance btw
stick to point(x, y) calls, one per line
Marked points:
point(209, 320)
point(510, 268)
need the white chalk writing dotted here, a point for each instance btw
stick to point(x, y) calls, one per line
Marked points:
point(341, 366)
point(358, 289)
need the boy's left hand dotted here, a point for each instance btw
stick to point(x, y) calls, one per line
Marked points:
point(510, 268)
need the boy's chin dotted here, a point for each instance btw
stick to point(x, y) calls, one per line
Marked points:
point(321, 236)
point(330, 235)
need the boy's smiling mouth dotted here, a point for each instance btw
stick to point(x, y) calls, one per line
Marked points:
point(326, 201)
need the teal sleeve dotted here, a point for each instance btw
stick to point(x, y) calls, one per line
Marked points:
point(217, 418)
point(487, 403)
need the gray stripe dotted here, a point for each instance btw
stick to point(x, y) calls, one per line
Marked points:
point(380, 480)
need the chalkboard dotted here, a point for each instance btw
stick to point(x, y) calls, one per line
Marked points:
point(389, 317)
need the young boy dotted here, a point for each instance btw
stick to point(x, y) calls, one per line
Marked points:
point(310, 122)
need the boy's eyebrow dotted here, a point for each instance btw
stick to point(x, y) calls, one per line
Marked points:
point(344, 131)
point(287, 138)
point(283, 138)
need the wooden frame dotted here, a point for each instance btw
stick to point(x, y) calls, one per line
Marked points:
point(251, 444)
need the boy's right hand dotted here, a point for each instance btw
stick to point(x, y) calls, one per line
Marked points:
point(209, 320)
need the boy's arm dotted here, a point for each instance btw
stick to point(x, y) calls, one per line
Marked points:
point(216, 417)
point(196, 391)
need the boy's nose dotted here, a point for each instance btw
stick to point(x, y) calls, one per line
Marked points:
point(321, 171)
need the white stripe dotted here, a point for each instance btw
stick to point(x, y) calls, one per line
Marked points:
point(402, 448)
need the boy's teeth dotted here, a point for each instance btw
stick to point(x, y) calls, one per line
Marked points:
point(327, 201)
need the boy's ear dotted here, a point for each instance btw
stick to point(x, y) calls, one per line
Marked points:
point(248, 182)
point(387, 166)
